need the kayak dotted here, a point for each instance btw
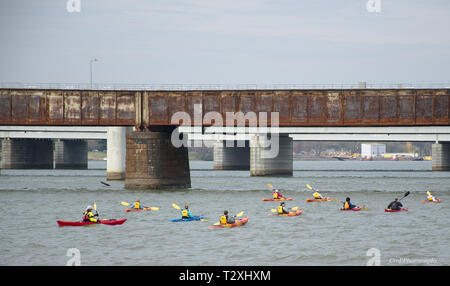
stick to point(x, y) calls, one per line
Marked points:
point(187, 219)
point(353, 209)
point(392, 211)
point(431, 202)
point(238, 222)
point(138, 210)
point(277, 200)
point(81, 223)
point(327, 199)
point(291, 213)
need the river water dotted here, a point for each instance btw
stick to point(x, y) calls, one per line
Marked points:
point(32, 201)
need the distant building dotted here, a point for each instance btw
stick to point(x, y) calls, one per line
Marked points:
point(373, 150)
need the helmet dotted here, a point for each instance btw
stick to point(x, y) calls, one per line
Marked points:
point(89, 208)
point(225, 212)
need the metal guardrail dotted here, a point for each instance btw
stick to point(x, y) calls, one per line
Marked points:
point(116, 86)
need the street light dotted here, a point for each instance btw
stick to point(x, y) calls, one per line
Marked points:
point(90, 62)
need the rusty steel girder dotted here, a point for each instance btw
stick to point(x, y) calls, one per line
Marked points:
point(143, 109)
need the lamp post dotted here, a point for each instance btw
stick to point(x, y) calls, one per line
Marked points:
point(90, 62)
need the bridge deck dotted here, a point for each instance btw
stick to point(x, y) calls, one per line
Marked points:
point(332, 107)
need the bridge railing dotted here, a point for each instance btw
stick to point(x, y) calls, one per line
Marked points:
point(118, 86)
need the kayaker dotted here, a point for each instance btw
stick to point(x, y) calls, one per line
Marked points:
point(186, 213)
point(396, 205)
point(226, 219)
point(137, 205)
point(276, 194)
point(348, 205)
point(89, 216)
point(430, 197)
point(317, 196)
point(282, 209)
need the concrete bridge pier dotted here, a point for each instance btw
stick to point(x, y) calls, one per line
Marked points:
point(116, 152)
point(440, 153)
point(232, 158)
point(71, 154)
point(27, 154)
point(271, 155)
point(152, 162)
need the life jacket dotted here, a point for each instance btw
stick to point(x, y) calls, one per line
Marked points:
point(184, 213)
point(316, 195)
point(137, 205)
point(223, 219)
point(280, 209)
point(430, 197)
point(346, 206)
point(275, 195)
point(88, 216)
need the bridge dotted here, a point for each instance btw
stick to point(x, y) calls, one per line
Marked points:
point(152, 160)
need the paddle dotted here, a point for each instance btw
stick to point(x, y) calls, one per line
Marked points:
point(312, 189)
point(152, 208)
point(406, 194)
point(178, 208)
point(238, 215)
point(106, 184)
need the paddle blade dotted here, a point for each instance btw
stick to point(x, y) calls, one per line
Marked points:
point(106, 184)
point(176, 206)
point(95, 206)
point(125, 203)
point(270, 186)
point(240, 214)
point(294, 208)
point(154, 208)
point(217, 223)
point(273, 210)
point(309, 187)
point(336, 200)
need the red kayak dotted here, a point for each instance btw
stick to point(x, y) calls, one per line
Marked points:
point(81, 223)
point(392, 211)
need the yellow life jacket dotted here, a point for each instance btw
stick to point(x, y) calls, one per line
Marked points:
point(223, 219)
point(430, 198)
point(90, 216)
point(275, 195)
point(280, 209)
point(316, 195)
point(184, 213)
point(346, 206)
point(137, 205)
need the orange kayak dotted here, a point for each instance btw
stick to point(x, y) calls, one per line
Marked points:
point(327, 199)
point(291, 213)
point(238, 222)
point(138, 210)
point(277, 200)
point(431, 202)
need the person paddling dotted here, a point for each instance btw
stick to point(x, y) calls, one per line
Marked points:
point(396, 205)
point(282, 209)
point(348, 205)
point(186, 213)
point(276, 194)
point(226, 218)
point(137, 205)
point(88, 216)
point(317, 195)
point(430, 197)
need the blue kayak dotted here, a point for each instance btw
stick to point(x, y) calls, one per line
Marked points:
point(188, 219)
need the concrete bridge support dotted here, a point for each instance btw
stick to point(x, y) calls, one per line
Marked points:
point(71, 154)
point(152, 162)
point(27, 154)
point(232, 158)
point(271, 155)
point(116, 152)
point(440, 153)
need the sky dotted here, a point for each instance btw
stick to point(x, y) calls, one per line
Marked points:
point(225, 42)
